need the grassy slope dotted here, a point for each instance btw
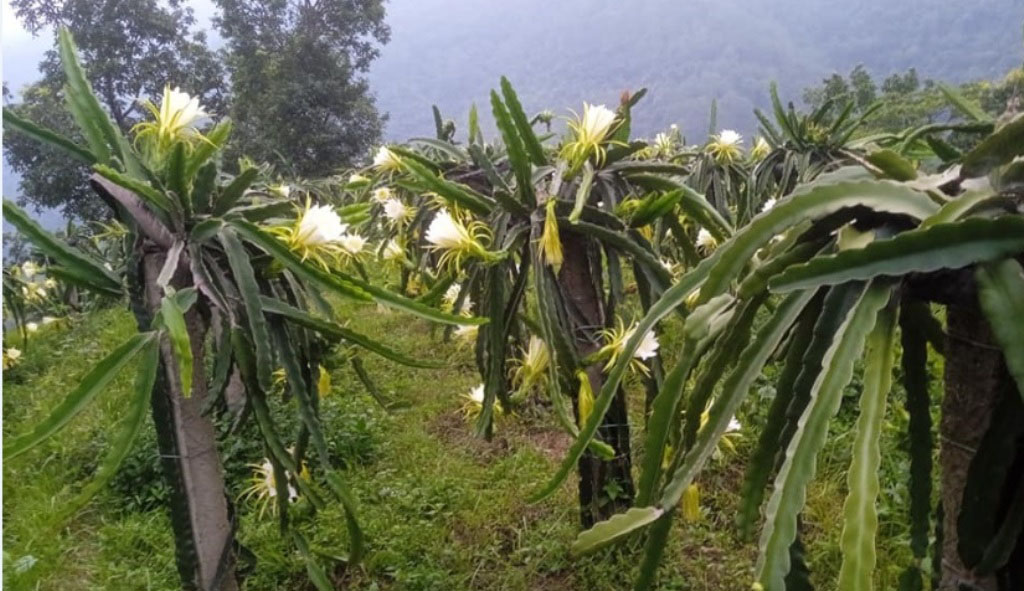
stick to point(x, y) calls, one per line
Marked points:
point(441, 509)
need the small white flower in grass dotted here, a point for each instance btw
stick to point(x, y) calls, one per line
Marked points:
point(734, 425)
point(29, 269)
point(50, 283)
point(648, 344)
point(179, 110)
point(353, 244)
point(11, 357)
point(396, 211)
point(474, 402)
point(451, 295)
point(664, 145)
point(263, 487)
point(596, 122)
point(730, 137)
point(466, 333)
point(393, 251)
point(177, 117)
point(770, 203)
point(589, 132)
point(382, 194)
point(446, 232)
point(31, 326)
point(319, 225)
point(48, 320)
point(616, 340)
point(457, 240)
point(725, 147)
point(386, 160)
point(760, 150)
point(357, 180)
point(282, 190)
point(531, 369)
point(705, 241)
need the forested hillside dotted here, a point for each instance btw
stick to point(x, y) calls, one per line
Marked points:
point(450, 52)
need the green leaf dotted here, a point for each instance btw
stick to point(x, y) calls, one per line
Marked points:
point(669, 301)
point(789, 494)
point(315, 570)
point(202, 189)
point(245, 279)
point(13, 121)
point(734, 389)
point(582, 192)
point(654, 206)
point(456, 193)
point(860, 513)
point(230, 195)
point(205, 230)
point(302, 318)
point(624, 243)
point(341, 283)
point(654, 547)
point(446, 148)
point(245, 357)
point(893, 165)
point(958, 208)
point(1001, 294)
point(88, 270)
point(174, 321)
point(306, 395)
point(517, 157)
point(93, 383)
point(997, 149)
point(266, 210)
point(215, 139)
point(131, 424)
point(606, 532)
point(967, 108)
point(810, 202)
point(306, 270)
point(693, 204)
point(762, 460)
point(780, 114)
point(952, 246)
point(474, 125)
point(152, 196)
point(914, 362)
point(88, 113)
point(177, 181)
point(515, 109)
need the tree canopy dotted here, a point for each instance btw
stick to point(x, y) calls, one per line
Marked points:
point(299, 95)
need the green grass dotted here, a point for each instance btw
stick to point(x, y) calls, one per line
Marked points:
point(440, 508)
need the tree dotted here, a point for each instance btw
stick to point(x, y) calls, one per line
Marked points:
point(216, 263)
point(849, 261)
point(904, 83)
point(863, 87)
point(130, 51)
point(300, 99)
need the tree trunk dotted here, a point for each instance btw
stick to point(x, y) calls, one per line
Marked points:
point(976, 383)
point(187, 441)
point(605, 487)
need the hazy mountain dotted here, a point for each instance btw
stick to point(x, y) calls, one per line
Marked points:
point(559, 53)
